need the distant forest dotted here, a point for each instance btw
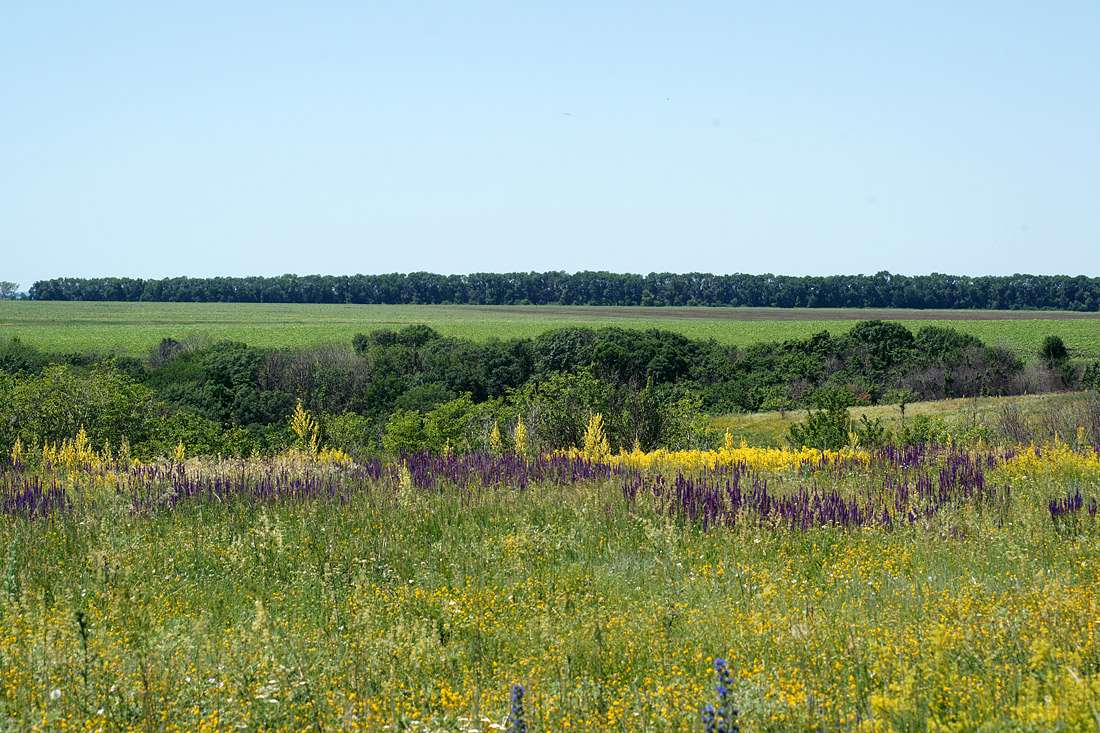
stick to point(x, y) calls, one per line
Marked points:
point(882, 290)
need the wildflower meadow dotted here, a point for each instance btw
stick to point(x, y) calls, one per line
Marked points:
point(924, 588)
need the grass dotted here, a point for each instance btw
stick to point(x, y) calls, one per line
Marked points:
point(963, 414)
point(387, 607)
point(134, 328)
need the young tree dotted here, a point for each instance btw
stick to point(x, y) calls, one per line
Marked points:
point(1054, 350)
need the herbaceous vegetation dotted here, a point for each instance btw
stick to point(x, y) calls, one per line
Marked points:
point(737, 588)
point(423, 532)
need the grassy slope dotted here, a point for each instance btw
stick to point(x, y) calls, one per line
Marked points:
point(133, 328)
point(771, 428)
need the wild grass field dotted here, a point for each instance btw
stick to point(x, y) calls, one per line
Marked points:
point(1027, 417)
point(134, 328)
point(896, 590)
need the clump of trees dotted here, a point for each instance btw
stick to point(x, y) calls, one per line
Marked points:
point(415, 389)
point(9, 290)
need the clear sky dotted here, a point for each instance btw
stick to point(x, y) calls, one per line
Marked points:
point(155, 139)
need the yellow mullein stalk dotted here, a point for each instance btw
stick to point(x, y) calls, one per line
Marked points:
point(17, 450)
point(496, 445)
point(306, 428)
point(520, 437)
point(405, 493)
point(727, 443)
point(181, 452)
point(595, 439)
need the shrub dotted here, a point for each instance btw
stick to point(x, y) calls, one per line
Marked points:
point(827, 428)
point(1053, 350)
point(54, 405)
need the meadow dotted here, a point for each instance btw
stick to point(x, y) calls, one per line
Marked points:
point(950, 586)
point(896, 590)
point(134, 328)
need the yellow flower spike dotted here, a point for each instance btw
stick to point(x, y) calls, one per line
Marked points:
point(596, 446)
point(306, 428)
point(520, 437)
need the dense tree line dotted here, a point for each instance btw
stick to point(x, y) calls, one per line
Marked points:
point(413, 388)
point(882, 290)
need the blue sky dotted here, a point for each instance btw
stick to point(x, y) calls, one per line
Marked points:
point(222, 138)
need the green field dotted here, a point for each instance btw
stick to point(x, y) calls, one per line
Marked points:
point(133, 328)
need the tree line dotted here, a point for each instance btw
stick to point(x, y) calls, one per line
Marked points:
point(881, 290)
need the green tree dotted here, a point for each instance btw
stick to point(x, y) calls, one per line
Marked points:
point(827, 428)
point(1053, 350)
point(52, 406)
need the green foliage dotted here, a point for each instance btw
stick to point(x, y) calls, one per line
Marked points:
point(350, 432)
point(447, 426)
point(404, 433)
point(871, 434)
point(1090, 377)
point(924, 429)
point(16, 357)
point(827, 428)
point(557, 409)
point(1053, 350)
point(882, 290)
point(885, 343)
point(644, 382)
point(201, 436)
point(900, 397)
point(52, 406)
point(231, 365)
point(943, 344)
point(414, 337)
point(425, 397)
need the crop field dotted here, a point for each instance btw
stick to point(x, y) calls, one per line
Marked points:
point(134, 328)
point(899, 590)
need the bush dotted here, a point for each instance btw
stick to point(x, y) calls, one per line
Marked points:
point(446, 426)
point(16, 357)
point(1053, 350)
point(54, 405)
point(828, 428)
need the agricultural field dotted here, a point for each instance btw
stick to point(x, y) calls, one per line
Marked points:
point(894, 590)
point(134, 328)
